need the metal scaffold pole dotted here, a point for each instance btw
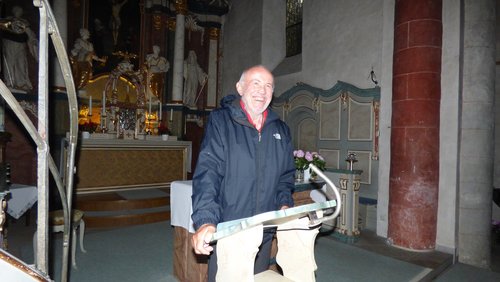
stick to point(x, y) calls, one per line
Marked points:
point(40, 136)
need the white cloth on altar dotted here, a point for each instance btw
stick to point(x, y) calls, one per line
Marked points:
point(180, 204)
point(22, 197)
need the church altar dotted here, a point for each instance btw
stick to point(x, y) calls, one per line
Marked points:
point(106, 165)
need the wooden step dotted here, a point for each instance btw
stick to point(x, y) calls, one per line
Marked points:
point(125, 220)
point(126, 208)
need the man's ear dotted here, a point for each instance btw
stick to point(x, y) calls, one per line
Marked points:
point(239, 87)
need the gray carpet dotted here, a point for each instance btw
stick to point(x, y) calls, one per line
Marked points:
point(137, 253)
point(144, 253)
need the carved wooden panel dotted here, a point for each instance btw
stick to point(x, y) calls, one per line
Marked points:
point(335, 122)
point(360, 120)
point(332, 157)
point(329, 120)
point(307, 134)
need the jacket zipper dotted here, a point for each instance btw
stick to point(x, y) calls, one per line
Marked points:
point(259, 176)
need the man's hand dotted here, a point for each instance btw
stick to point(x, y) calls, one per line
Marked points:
point(284, 207)
point(201, 239)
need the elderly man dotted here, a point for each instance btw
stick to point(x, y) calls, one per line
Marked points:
point(245, 166)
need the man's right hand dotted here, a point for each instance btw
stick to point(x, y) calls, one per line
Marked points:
point(201, 239)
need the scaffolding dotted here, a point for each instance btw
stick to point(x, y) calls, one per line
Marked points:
point(40, 136)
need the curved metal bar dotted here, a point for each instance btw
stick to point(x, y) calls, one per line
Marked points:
point(73, 131)
point(335, 191)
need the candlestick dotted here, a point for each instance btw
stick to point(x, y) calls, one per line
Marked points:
point(90, 105)
point(149, 105)
point(171, 114)
point(159, 106)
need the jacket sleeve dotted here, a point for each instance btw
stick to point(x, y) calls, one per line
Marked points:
point(286, 183)
point(208, 177)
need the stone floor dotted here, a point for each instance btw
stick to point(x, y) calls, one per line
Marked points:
point(437, 261)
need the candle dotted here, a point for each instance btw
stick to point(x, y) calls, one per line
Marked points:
point(90, 105)
point(159, 106)
point(104, 101)
point(171, 114)
point(149, 105)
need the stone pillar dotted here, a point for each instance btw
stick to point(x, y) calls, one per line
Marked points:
point(414, 171)
point(60, 13)
point(477, 133)
point(178, 75)
point(213, 62)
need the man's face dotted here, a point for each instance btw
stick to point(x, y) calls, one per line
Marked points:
point(256, 90)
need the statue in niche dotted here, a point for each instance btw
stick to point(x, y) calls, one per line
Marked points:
point(193, 77)
point(157, 66)
point(82, 56)
point(16, 43)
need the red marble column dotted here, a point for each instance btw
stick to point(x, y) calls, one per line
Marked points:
point(414, 174)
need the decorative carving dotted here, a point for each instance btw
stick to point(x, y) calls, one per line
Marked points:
point(343, 98)
point(355, 185)
point(287, 107)
point(157, 22)
point(181, 7)
point(315, 104)
point(30, 107)
point(171, 24)
point(214, 33)
point(192, 25)
point(343, 183)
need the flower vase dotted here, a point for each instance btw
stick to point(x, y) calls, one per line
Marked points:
point(307, 175)
point(314, 177)
point(299, 175)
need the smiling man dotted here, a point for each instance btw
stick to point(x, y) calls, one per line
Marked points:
point(245, 166)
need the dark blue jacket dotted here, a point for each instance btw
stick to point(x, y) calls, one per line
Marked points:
point(241, 173)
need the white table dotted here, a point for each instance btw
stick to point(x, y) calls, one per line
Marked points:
point(180, 204)
point(22, 197)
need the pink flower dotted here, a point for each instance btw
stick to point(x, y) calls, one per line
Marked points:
point(300, 154)
point(309, 157)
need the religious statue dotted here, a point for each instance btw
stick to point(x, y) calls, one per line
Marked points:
point(157, 67)
point(82, 56)
point(16, 43)
point(116, 22)
point(140, 122)
point(193, 77)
